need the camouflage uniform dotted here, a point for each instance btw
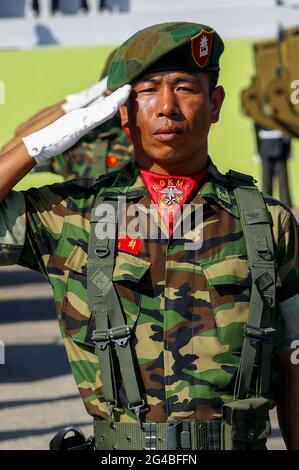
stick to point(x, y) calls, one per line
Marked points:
point(187, 309)
point(106, 148)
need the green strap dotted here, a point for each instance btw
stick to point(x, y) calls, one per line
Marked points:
point(173, 435)
point(257, 345)
point(99, 161)
point(104, 301)
point(96, 300)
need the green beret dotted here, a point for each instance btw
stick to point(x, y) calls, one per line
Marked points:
point(107, 64)
point(167, 46)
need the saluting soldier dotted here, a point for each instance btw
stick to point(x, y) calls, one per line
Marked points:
point(171, 346)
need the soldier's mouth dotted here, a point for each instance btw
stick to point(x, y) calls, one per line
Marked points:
point(168, 133)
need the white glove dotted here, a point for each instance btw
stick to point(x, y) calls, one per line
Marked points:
point(97, 101)
point(67, 130)
point(83, 98)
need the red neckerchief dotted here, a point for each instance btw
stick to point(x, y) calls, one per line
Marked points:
point(169, 193)
point(127, 131)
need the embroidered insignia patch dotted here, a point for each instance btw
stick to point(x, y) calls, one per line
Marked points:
point(131, 245)
point(201, 45)
point(223, 195)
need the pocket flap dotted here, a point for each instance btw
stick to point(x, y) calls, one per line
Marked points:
point(129, 267)
point(77, 259)
point(229, 270)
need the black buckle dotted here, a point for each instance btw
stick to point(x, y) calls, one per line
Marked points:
point(119, 335)
point(136, 407)
point(71, 438)
point(101, 338)
point(179, 435)
point(259, 334)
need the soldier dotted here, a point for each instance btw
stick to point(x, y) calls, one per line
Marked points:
point(105, 148)
point(171, 347)
point(274, 149)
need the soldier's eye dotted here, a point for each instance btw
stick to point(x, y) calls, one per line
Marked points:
point(147, 90)
point(185, 88)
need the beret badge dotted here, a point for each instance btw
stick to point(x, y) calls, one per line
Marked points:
point(201, 45)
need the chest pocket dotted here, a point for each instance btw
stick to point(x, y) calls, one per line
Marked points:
point(77, 320)
point(229, 289)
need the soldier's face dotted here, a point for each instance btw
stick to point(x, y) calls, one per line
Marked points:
point(169, 115)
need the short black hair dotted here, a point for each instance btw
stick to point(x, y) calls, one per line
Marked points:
point(213, 77)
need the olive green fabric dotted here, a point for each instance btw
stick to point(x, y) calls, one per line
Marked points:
point(180, 45)
point(184, 434)
point(106, 68)
point(246, 424)
point(256, 222)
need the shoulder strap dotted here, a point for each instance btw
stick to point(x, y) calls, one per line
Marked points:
point(99, 161)
point(258, 333)
point(105, 305)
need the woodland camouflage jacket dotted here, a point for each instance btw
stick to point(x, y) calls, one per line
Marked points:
point(187, 308)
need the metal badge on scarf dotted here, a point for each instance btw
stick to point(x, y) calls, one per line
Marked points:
point(170, 196)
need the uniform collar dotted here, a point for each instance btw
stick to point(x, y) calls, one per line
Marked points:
point(215, 187)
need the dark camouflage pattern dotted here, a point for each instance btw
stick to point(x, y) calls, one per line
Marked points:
point(106, 67)
point(168, 42)
point(187, 309)
point(104, 149)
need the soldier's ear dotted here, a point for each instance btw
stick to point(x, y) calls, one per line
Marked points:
point(218, 95)
point(123, 112)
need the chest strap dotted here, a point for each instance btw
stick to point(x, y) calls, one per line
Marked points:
point(111, 333)
point(258, 333)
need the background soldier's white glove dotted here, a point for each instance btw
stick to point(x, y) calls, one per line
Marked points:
point(83, 98)
point(67, 130)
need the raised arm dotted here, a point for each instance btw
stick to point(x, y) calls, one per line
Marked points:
point(48, 115)
point(56, 138)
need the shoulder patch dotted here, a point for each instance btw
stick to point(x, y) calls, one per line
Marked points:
point(223, 195)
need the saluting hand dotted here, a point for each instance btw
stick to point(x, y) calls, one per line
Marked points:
point(66, 131)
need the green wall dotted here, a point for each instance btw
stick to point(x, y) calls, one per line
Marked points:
point(37, 78)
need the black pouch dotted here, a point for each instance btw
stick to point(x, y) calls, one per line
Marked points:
point(246, 424)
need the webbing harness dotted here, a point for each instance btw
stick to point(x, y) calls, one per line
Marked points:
point(103, 302)
point(112, 332)
point(258, 332)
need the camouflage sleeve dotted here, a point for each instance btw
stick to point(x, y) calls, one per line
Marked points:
point(56, 165)
point(12, 228)
point(30, 226)
point(59, 165)
point(42, 167)
point(288, 285)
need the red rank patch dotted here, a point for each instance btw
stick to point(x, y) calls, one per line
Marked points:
point(111, 160)
point(130, 245)
point(201, 45)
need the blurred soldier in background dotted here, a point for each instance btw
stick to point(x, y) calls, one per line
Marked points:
point(106, 148)
point(268, 100)
point(274, 149)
